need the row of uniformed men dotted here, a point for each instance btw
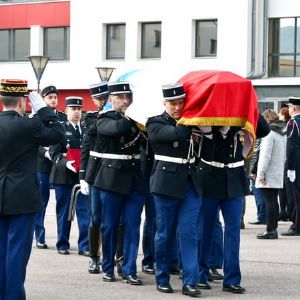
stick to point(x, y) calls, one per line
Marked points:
point(187, 191)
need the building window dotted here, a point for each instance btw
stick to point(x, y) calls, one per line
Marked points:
point(151, 40)
point(115, 41)
point(206, 38)
point(15, 44)
point(284, 47)
point(57, 43)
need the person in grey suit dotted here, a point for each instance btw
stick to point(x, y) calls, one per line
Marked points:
point(20, 198)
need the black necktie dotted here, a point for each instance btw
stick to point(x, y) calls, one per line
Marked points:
point(77, 132)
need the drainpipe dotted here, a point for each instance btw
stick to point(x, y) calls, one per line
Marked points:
point(252, 74)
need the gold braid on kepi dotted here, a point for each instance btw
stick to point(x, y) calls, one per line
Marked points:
point(14, 87)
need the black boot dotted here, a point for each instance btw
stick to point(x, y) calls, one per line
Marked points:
point(94, 237)
point(94, 267)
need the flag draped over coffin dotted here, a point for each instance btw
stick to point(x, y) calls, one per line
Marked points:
point(220, 98)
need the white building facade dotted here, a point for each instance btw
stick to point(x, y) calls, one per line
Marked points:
point(258, 39)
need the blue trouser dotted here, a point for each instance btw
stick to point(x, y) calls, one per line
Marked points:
point(96, 206)
point(171, 212)
point(260, 203)
point(216, 256)
point(16, 235)
point(63, 196)
point(45, 193)
point(149, 230)
point(231, 210)
point(114, 206)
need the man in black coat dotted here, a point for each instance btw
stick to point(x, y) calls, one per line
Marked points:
point(65, 174)
point(293, 164)
point(20, 199)
point(224, 183)
point(119, 182)
point(49, 94)
point(87, 172)
point(174, 186)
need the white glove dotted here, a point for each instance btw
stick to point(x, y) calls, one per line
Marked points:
point(291, 174)
point(47, 155)
point(36, 102)
point(69, 165)
point(84, 187)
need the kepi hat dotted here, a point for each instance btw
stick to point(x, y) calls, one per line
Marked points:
point(48, 90)
point(173, 91)
point(99, 90)
point(74, 101)
point(294, 101)
point(14, 87)
point(122, 87)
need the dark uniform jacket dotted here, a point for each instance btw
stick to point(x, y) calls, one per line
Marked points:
point(44, 164)
point(293, 145)
point(222, 183)
point(170, 178)
point(118, 135)
point(89, 164)
point(20, 139)
point(60, 174)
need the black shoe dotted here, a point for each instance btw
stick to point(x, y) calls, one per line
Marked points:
point(84, 253)
point(148, 269)
point(190, 290)
point(213, 274)
point(290, 232)
point(132, 279)
point(63, 252)
point(41, 245)
point(94, 266)
point(174, 271)
point(268, 235)
point(204, 286)
point(236, 289)
point(108, 277)
point(257, 222)
point(164, 288)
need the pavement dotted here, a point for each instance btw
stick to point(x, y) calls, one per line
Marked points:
point(270, 269)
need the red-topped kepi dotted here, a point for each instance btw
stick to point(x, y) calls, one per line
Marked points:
point(220, 98)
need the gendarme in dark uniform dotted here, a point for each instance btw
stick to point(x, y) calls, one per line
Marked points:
point(49, 94)
point(20, 198)
point(174, 186)
point(88, 170)
point(64, 175)
point(223, 183)
point(119, 182)
point(293, 165)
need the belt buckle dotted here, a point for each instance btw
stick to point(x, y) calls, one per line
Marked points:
point(230, 165)
point(184, 161)
point(132, 156)
point(222, 165)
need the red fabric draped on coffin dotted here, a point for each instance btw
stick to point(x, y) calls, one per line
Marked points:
point(219, 98)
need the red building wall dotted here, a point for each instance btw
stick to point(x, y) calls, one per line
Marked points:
point(50, 14)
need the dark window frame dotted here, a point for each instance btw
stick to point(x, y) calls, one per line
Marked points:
point(213, 43)
point(11, 46)
point(157, 40)
point(274, 56)
point(66, 43)
point(112, 36)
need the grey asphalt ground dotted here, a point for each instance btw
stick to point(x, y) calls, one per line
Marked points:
point(270, 269)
